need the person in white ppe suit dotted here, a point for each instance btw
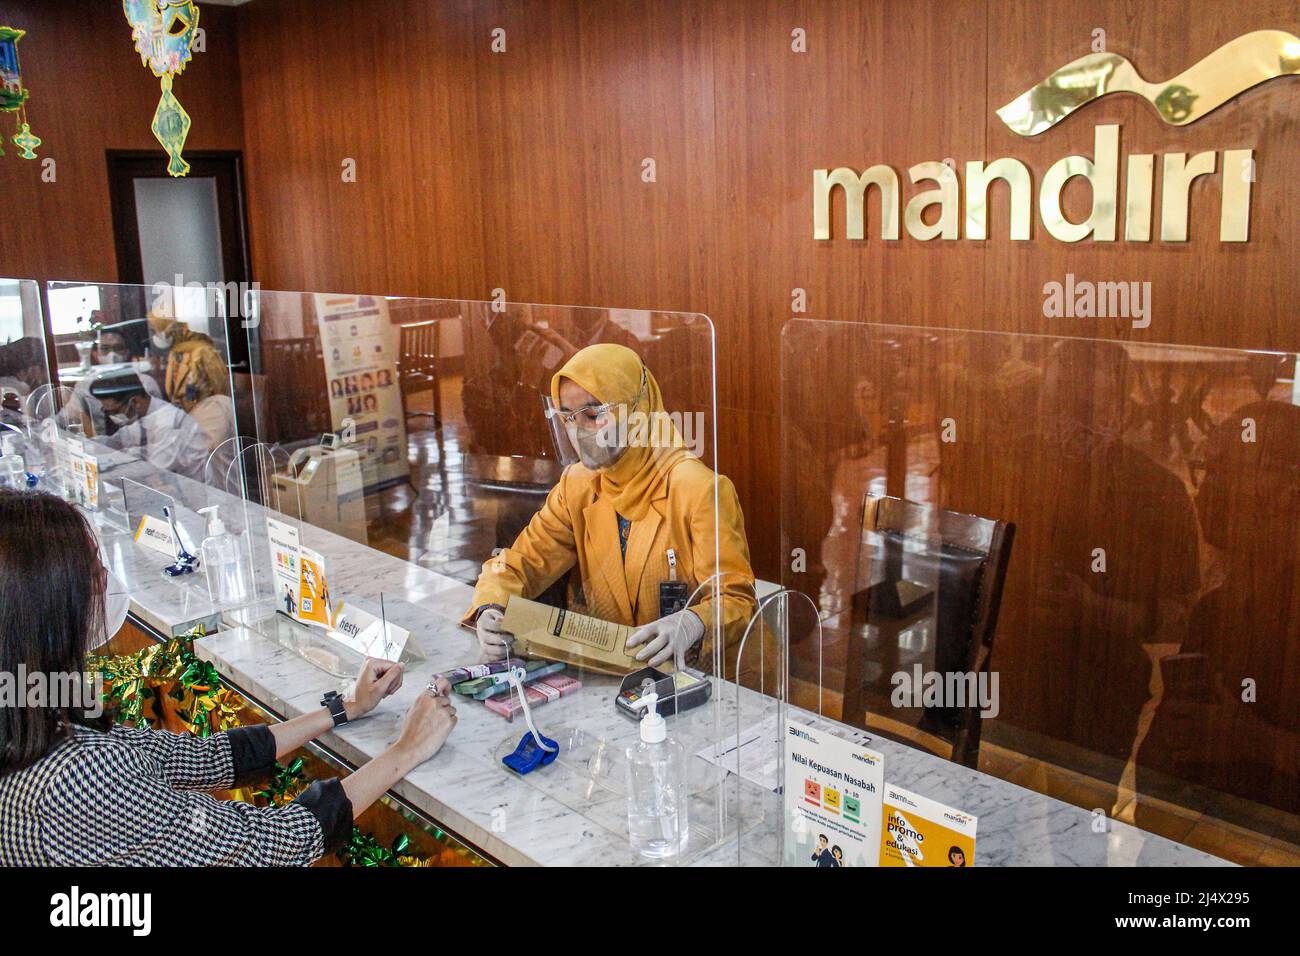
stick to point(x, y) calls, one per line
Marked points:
point(159, 432)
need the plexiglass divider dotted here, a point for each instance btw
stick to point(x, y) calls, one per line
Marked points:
point(1139, 625)
point(24, 384)
point(136, 411)
point(427, 457)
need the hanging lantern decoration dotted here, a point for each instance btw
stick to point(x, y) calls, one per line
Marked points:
point(163, 31)
point(13, 95)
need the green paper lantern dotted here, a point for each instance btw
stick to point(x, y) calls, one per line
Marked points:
point(163, 32)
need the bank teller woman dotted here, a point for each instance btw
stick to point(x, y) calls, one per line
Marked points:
point(77, 790)
point(636, 502)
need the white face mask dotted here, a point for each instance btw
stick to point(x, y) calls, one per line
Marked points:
point(116, 603)
point(596, 450)
point(162, 341)
point(126, 417)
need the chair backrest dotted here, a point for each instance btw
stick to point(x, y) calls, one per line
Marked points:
point(419, 348)
point(304, 410)
point(929, 588)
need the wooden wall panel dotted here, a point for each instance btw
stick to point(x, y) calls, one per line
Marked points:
point(394, 95)
point(89, 94)
point(521, 170)
point(1203, 292)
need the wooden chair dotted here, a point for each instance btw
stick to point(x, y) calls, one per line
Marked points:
point(417, 365)
point(918, 562)
point(295, 389)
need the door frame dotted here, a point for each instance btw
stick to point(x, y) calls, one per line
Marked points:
point(226, 166)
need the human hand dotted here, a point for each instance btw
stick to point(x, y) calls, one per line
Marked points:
point(426, 728)
point(377, 680)
point(493, 639)
point(667, 637)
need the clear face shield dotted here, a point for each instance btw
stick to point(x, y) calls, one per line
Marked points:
point(596, 435)
point(565, 453)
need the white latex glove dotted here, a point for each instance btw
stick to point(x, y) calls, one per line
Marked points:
point(493, 638)
point(665, 638)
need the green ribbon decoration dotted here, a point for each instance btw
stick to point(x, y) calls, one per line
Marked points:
point(364, 850)
point(214, 707)
point(283, 781)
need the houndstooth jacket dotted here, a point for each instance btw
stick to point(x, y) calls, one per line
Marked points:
point(130, 797)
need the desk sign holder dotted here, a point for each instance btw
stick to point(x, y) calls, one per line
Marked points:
point(342, 650)
point(368, 635)
point(840, 812)
point(155, 534)
point(919, 831)
point(834, 792)
point(335, 636)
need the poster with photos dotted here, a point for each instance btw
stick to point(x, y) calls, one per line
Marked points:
point(360, 346)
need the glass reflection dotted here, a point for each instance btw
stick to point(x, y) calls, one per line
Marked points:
point(1149, 634)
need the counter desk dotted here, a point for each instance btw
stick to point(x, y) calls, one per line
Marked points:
point(546, 821)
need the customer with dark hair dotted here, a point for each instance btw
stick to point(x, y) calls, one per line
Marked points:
point(76, 790)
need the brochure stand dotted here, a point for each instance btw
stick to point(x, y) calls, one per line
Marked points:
point(335, 632)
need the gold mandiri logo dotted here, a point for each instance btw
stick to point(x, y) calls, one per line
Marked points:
point(1199, 90)
point(1230, 70)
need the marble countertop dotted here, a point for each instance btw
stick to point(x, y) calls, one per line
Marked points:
point(566, 814)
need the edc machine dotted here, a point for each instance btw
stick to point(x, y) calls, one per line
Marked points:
point(325, 482)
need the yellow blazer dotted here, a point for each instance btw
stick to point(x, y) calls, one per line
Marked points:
point(577, 525)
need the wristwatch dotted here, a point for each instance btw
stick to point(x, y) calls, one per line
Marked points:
point(333, 702)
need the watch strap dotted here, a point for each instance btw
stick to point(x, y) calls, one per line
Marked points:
point(333, 702)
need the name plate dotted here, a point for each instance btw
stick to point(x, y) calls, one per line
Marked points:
point(368, 635)
point(155, 534)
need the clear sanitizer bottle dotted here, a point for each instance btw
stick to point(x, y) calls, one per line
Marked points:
point(656, 788)
point(13, 471)
point(225, 572)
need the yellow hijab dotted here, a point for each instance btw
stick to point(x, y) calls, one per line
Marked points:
point(195, 369)
point(612, 373)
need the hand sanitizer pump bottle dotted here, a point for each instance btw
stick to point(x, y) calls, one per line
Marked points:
point(656, 788)
point(13, 471)
point(220, 550)
point(11, 463)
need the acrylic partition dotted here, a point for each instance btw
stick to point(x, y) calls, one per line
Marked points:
point(411, 442)
point(25, 391)
point(134, 410)
point(148, 371)
point(1073, 563)
point(43, 423)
